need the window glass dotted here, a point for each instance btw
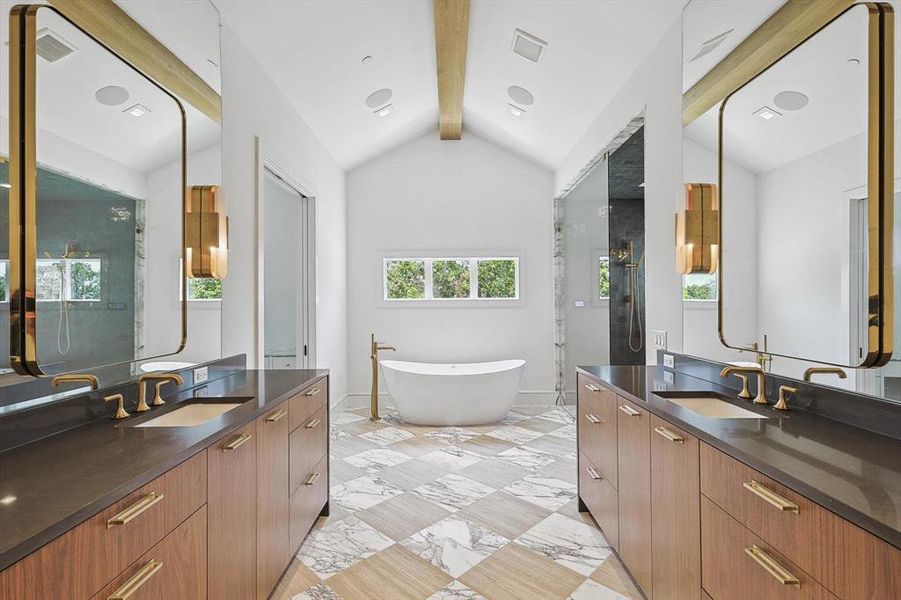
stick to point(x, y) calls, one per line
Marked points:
point(699, 286)
point(604, 277)
point(4, 281)
point(450, 278)
point(404, 279)
point(84, 279)
point(497, 278)
point(50, 275)
point(204, 288)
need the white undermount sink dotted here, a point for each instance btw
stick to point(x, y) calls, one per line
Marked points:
point(709, 405)
point(191, 415)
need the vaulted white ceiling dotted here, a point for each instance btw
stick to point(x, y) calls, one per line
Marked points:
point(313, 50)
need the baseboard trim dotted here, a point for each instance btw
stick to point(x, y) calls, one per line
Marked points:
point(355, 401)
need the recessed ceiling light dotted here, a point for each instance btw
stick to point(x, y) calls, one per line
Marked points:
point(515, 110)
point(767, 113)
point(111, 95)
point(6, 185)
point(854, 61)
point(138, 110)
point(384, 111)
point(379, 98)
point(520, 95)
point(7, 500)
point(710, 45)
point(528, 46)
point(790, 100)
point(366, 59)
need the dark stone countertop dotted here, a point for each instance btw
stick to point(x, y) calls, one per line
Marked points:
point(852, 472)
point(60, 481)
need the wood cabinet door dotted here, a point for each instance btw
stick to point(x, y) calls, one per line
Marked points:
point(231, 507)
point(675, 512)
point(634, 433)
point(273, 515)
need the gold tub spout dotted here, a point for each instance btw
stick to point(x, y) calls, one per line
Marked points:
point(374, 348)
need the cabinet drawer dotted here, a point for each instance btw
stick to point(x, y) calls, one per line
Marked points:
point(80, 562)
point(308, 402)
point(307, 444)
point(601, 499)
point(785, 519)
point(308, 500)
point(174, 568)
point(737, 564)
point(597, 426)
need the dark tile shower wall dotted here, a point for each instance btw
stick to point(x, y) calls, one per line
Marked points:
point(626, 222)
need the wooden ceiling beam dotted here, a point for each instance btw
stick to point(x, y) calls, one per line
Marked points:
point(104, 20)
point(451, 36)
point(794, 22)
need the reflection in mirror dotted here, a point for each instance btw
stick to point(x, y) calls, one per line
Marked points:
point(109, 208)
point(794, 201)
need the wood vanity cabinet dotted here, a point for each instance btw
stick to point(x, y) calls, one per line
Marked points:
point(232, 548)
point(675, 508)
point(273, 543)
point(634, 435)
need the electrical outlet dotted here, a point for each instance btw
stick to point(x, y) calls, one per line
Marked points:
point(201, 392)
point(659, 339)
point(669, 361)
point(201, 375)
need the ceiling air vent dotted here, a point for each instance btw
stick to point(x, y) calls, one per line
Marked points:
point(528, 46)
point(710, 45)
point(51, 47)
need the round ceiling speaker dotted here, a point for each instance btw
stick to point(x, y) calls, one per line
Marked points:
point(790, 100)
point(520, 95)
point(111, 95)
point(378, 98)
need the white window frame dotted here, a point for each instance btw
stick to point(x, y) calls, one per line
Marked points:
point(698, 302)
point(4, 273)
point(66, 292)
point(429, 258)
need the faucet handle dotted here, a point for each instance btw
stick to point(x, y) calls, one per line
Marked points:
point(157, 397)
point(745, 393)
point(782, 403)
point(120, 409)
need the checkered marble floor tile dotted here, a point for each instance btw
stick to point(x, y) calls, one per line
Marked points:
point(455, 513)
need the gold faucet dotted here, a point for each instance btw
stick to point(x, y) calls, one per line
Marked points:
point(761, 380)
point(120, 406)
point(763, 358)
point(69, 377)
point(163, 379)
point(782, 404)
point(374, 348)
point(824, 371)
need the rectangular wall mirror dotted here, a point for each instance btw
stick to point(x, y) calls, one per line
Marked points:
point(112, 163)
point(807, 193)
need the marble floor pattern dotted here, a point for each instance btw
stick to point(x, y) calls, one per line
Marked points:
point(455, 513)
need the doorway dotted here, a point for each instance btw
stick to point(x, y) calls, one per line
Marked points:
point(288, 273)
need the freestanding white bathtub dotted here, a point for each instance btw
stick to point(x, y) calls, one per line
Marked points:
point(453, 394)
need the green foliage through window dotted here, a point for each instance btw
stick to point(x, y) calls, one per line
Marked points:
point(497, 278)
point(85, 279)
point(405, 279)
point(204, 288)
point(604, 277)
point(450, 279)
point(699, 286)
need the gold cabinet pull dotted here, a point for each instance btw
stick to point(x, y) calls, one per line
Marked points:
point(276, 416)
point(592, 388)
point(592, 418)
point(131, 586)
point(135, 510)
point(237, 442)
point(313, 423)
point(669, 435)
point(593, 474)
point(311, 479)
point(629, 411)
point(770, 496)
point(312, 392)
point(770, 565)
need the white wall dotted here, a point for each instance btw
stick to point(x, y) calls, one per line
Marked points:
point(254, 106)
point(657, 86)
point(699, 332)
point(466, 196)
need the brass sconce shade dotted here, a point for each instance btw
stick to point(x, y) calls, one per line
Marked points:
point(697, 230)
point(206, 233)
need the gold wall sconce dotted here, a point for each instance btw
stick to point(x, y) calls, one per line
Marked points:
point(206, 233)
point(698, 230)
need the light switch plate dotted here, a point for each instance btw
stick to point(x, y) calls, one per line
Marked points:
point(659, 339)
point(201, 375)
point(580, 303)
point(669, 361)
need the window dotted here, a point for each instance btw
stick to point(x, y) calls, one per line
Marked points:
point(452, 278)
point(72, 279)
point(204, 288)
point(603, 277)
point(699, 286)
point(4, 281)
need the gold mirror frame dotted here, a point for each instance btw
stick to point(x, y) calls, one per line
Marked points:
point(23, 189)
point(880, 182)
